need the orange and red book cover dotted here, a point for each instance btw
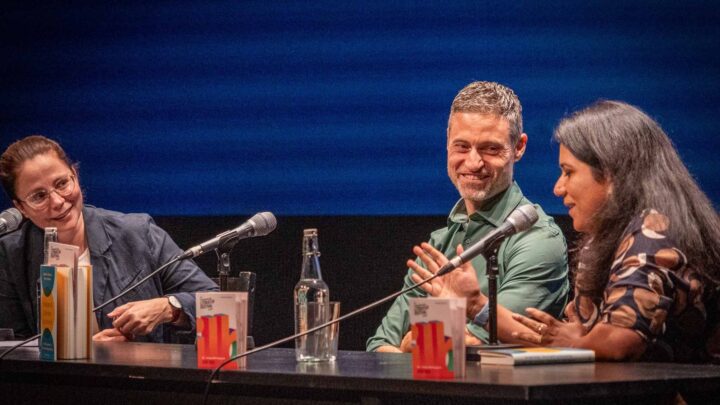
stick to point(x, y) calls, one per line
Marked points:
point(437, 326)
point(221, 328)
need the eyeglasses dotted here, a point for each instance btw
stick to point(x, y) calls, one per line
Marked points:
point(63, 187)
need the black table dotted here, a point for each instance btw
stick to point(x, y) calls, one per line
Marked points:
point(162, 373)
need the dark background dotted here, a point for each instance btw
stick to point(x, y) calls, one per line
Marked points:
point(362, 258)
point(333, 114)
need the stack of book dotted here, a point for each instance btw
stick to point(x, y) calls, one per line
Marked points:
point(66, 303)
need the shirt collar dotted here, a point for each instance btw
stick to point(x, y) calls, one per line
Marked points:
point(494, 211)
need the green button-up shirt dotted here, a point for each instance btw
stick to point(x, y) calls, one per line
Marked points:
point(532, 265)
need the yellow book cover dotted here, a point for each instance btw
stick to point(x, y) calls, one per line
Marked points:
point(65, 313)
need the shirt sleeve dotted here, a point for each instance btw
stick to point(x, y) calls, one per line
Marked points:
point(643, 282)
point(396, 322)
point(533, 273)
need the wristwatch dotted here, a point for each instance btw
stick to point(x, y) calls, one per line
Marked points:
point(176, 307)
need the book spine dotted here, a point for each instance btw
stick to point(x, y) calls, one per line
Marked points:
point(91, 324)
point(48, 313)
point(81, 312)
point(563, 357)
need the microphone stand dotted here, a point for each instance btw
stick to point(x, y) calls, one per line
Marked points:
point(223, 268)
point(223, 264)
point(492, 273)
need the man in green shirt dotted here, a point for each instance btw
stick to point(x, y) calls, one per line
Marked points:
point(484, 140)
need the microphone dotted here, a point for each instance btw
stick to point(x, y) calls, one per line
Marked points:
point(260, 224)
point(519, 220)
point(10, 220)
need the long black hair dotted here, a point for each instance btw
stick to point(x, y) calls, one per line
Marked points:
point(625, 146)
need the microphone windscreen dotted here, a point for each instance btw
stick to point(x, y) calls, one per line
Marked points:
point(523, 217)
point(12, 218)
point(265, 223)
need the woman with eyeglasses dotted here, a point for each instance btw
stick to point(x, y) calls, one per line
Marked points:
point(648, 267)
point(43, 184)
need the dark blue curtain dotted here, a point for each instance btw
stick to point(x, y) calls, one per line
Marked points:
point(335, 108)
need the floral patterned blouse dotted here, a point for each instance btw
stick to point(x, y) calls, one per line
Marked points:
point(653, 291)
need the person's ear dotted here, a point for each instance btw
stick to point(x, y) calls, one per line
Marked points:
point(519, 150)
point(17, 205)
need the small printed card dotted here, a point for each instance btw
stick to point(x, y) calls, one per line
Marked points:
point(438, 334)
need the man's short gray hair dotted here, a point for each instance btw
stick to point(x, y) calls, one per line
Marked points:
point(491, 98)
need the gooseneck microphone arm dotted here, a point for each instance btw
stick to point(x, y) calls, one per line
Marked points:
point(134, 286)
point(23, 343)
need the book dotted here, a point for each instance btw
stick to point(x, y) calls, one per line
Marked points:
point(533, 355)
point(438, 334)
point(221, 328)
point(48, 313)
point(66, 301)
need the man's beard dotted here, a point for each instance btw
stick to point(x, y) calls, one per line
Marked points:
point(490, 190)
point(477, 196)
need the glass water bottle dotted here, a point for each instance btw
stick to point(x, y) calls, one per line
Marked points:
point(310, 289)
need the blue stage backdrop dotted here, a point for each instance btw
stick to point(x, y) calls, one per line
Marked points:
point(332, 107)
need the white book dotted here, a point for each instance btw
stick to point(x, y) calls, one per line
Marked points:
point(83, 312)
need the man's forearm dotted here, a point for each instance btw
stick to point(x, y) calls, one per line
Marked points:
point(388, 349)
